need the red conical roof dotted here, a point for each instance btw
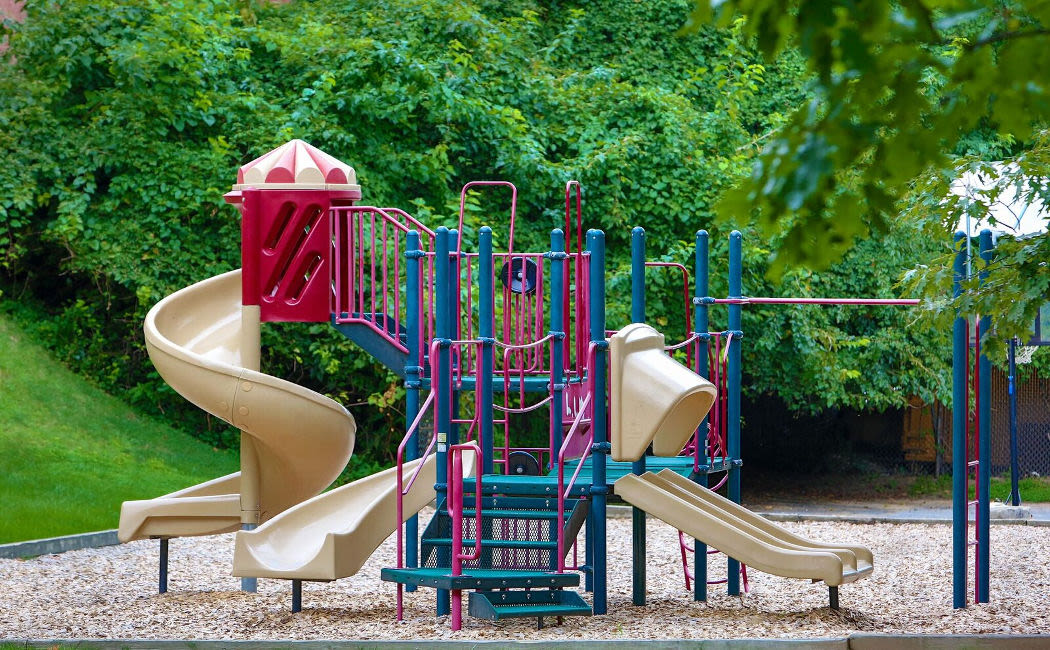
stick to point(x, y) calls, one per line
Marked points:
point(297, 165)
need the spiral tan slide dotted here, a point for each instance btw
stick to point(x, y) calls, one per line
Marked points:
point(295, 441)
point(740, 533)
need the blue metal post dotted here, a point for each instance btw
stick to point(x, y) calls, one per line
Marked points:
point(486, 314)
point(455, 328)
point(599, 489)
point(638, 466)
point(733, 388)
point(959, 408)
point(700, 317)
point(1015, 495)
point(413, 375)
point(984, 466)
point(557, 303)
point(162, 577)
point(443, 397)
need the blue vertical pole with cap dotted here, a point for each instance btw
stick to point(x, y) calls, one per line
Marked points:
point(413, 376)
point(557, 333)
point(486, 326)
point(599, 421)
point(700, 317)
point(442, 396)
point(984, 452)
point(959, 409)
point(733, 388)
point(486, 316)
point(638, 466)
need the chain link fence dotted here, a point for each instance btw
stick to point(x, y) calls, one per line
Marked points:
point(926, 442)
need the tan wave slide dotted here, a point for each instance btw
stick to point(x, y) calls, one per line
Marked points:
point(741, 533)
point(295, 442)
point(330, 536)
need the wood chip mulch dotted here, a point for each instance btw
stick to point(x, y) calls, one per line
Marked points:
point(111, 592)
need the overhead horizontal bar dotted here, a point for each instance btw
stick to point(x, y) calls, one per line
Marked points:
point(744, 300)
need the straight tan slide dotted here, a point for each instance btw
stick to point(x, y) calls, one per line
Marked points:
point(331, 535)
point(740, 533)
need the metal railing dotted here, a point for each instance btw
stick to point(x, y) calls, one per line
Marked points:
point(369, 274)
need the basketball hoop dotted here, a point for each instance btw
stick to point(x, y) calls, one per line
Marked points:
point(1023, 353)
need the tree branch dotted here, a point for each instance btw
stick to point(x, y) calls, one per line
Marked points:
point(1006, 36)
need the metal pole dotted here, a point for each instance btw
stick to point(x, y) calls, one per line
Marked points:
point(455, 328)
point(558, 344)
point(959, 408)
point(162, 579)
point(599, 488)
point(638, 466)
point(1015, 471)
point(443, 398)
point(984, 467)
point(486, 311)
point(413, 377)
point(486, 320)
point(733, 388)
point(700, 317)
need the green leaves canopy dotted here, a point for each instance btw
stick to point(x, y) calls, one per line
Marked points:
point(899, 91)
point(123, 123)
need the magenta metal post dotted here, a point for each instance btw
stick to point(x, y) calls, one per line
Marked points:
point(455, 508)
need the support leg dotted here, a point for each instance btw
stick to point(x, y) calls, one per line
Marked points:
point(638, 556)
point(297, 596)
point(162, 586)
point(249, 585)
point(833, 598)
point(457, 609)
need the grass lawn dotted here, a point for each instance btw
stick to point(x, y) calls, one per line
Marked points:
point(70, 453)
point(875, 487)
point(1033, 489)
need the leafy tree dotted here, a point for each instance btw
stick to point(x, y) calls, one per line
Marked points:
point(905, 96)
point(124, 122)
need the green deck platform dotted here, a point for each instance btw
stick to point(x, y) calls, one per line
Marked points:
point(547, 485)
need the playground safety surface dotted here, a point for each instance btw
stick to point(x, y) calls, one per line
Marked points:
point(110, 593)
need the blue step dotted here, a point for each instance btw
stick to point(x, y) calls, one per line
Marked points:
point(496, 605)
point(480, 578)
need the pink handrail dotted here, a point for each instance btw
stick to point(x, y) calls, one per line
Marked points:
point(463, 206)
point(402, 489)
point(455, 508)
point(687, 300)
point(565, 490)
point(368, 267)
point(577, 335)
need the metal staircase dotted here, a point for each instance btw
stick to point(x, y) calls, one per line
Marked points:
point(376, 334)
point(516, 575)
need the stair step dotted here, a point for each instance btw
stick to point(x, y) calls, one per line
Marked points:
point(548, 515)
point(496, 605)
point(495, 543)
point(441, 578)
point(525, 485)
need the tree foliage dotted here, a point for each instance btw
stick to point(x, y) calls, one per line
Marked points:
point(123, 123)
point(904, 96)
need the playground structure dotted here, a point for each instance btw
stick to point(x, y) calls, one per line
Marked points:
point(483, 338)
